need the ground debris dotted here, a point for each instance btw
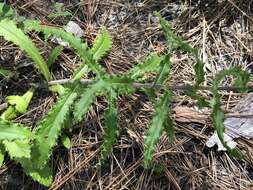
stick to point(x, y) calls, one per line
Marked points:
point(236, 127)
point(73, 28)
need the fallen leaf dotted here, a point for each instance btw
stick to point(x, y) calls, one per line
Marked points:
point(186, 114)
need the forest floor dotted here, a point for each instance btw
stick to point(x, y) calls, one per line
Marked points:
point(222, 30)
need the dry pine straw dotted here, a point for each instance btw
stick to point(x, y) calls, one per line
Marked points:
point(221, 31)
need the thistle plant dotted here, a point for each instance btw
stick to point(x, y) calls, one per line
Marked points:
point(33, 148)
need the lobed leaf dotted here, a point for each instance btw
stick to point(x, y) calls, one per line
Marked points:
point(13, 131)
point(53, 55)
point(102, 44)
point(173, 40)
point(157, 126)
point(18, 148)
point(59, 14)
point(10, 32)
point(76, 43)
point(59, 11)
point(176, 42)
point(164, 70)
point(43, 175)
point(82, 105)
point(49, 128)
point(242, 78)
point(150, 64)
point(111, 125)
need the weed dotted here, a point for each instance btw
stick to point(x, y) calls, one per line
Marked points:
point(33, 149)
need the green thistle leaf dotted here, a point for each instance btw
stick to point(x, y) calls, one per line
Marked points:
point(10, 32)
point(102, 44)
point(49, 128)
point(81, 106)
point(151, 64)
point(111, 125)
point(13, 131)
point(157, 126)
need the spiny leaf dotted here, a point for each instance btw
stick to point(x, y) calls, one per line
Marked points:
point(176, 42)
point(43, 175)
point(76, 43)
point(13, 131)
point(173, 40)
point(102, 44)
point(18, 148)
point(156, 127)
point(199, 71)
point(60, 12)
point(49, 128)
point(150, 64)
point(111, 125)
point(53, 55)
point(10, 32)
point(242, 78)
point(80, 72)
point(82, 105)
point(164, 70)
point(169, 126)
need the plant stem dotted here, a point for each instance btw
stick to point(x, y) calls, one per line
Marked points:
point(142, 85)
point(154, 86)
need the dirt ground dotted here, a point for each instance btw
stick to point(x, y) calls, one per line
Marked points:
point(222, 30)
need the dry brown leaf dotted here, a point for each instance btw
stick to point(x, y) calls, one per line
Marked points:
point(186, 114)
